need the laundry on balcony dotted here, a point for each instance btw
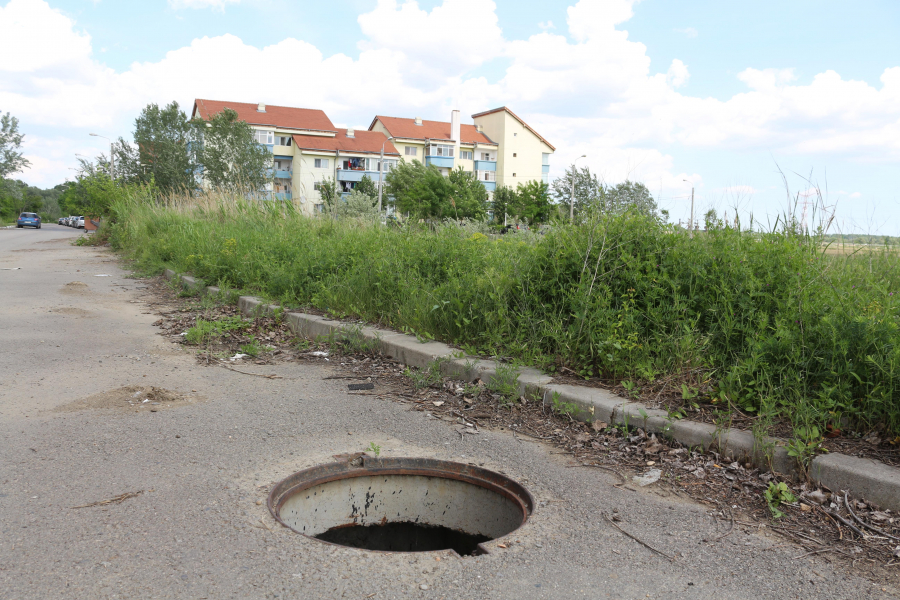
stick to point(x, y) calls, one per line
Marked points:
point(354, 164)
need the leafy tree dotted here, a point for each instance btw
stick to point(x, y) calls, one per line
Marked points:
point(504, 203)
point(231, 158)
point(367, 186)
point(421, 191)
point(164, 139)
point(11, 159)
point(328, 192)
point(357, 205)
point(588, 189)
point(533, 202)
point(630, 196)
point(468, 198)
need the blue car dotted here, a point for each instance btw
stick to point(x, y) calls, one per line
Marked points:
point(29, 220)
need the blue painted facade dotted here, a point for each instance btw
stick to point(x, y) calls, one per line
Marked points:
point(489, 185)
point(348, 175)
point(283, 174)
point(485, 165)
point(281, 196)
point(445, 162)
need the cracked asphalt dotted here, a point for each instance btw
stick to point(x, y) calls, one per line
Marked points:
point(200, 529)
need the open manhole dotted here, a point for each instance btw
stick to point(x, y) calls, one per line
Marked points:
point(401, 505)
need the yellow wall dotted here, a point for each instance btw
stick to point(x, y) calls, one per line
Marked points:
point(514, 139)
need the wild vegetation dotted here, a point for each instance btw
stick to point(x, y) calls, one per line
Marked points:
point(764, 322)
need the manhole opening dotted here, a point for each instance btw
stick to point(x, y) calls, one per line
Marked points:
point(401, 505)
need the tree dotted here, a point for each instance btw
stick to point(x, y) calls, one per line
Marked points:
point(588, 189)
point(328, 192)
point(468, 198)
point(367, 186)
point(630, 196)
point(421, 191)
point(357, 205)
point(11, 159)
point(164, 139)
point(229, 155)
point(504, 203)
point(533, 202)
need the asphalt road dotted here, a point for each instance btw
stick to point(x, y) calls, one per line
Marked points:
point(198, 530)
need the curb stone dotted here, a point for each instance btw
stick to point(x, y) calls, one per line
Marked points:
point(866, 478)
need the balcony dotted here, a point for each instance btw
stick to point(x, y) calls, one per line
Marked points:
point(489, 185)
point(445, 162)
point(281, 196)
point(485, 165)
point(357, 175)
point(284, 174)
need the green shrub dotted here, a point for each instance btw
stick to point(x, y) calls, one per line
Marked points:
point(624, 297)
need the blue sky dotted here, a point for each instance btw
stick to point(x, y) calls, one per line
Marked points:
point(721, 94)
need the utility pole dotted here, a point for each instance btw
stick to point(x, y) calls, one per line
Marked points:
point(572, 199)
point(691, 224)
point(381, 174)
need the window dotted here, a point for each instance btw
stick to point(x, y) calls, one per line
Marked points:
point(440, 150)
point(486, 156)
point(411, 151)
point(487, 176)
point(514, 174)
point(283, 140)
point(515, 134)
point(545, 158)
point(321, 163)
point(264, 137)
point(317, 186)
point(514, 154)
point(465, 155)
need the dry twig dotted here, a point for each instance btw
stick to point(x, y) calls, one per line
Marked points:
point(639, 541)
point(116, 500)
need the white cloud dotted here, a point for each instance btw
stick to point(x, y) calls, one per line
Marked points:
point(856, 195)
point(547, 25)
point(214, 4)
point(589, 92)
point(687, 31)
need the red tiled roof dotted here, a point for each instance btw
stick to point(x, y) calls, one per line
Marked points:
point(433, 130)
point(516, 117)
point(275, 116)
point(363, 141)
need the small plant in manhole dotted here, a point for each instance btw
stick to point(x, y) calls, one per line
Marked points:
point(401, 504)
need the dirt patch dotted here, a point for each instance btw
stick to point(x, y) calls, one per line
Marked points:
point(34, 250)
point(74, 312)
point(137, 398)
point(75, 287)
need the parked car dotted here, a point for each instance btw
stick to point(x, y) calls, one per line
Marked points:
point(79, 222)
point(60, 220)
point(29, 220)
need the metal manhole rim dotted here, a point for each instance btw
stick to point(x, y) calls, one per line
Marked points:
point(425, 467)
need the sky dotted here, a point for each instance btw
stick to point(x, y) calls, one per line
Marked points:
point(753, 105)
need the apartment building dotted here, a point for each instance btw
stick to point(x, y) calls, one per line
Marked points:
point(307, 149)
point(499, 147)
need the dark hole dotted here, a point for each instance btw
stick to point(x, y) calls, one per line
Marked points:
point(405, 537)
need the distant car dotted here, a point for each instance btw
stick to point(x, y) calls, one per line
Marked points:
point(60, 220)
point(29, 220)
point(79, 222)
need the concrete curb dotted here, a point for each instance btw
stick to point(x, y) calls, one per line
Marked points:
point(869, 479)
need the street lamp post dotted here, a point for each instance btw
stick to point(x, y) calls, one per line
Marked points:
point(691, 224)
point(572, 202)
point(381, 174)
point(112, 159)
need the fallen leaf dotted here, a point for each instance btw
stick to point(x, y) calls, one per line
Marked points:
point(502, 546)
point(598, 425)
point(438, 402)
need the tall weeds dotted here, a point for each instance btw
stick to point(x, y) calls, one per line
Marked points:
point(770, 318)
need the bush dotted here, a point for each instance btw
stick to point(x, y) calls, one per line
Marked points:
point(764, 317)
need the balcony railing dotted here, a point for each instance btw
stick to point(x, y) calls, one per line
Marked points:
point(439, 161)
point(485, 165)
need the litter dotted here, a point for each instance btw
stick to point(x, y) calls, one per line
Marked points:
point(651, 476)
point(361, 386)
point(320, 353)
point(238, 356)
point(102, 275)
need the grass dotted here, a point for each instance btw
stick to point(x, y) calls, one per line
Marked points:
point(772, 320)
